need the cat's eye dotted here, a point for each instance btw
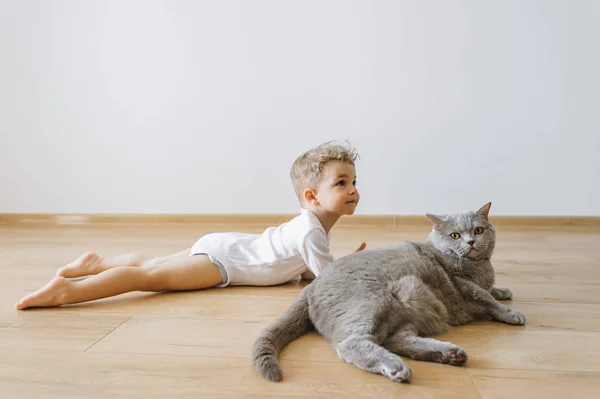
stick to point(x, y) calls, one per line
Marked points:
point(478, 230)
point(455, 236)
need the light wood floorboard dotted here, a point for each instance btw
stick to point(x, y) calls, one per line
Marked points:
point(197, 344)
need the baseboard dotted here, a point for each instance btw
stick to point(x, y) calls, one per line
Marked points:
point(275, 219)
point(262, 219)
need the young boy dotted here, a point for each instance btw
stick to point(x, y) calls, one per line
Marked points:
point(324, 179)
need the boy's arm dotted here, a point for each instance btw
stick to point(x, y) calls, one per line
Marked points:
point(316, 254)
point(308, 275)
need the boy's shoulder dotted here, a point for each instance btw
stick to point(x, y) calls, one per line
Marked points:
point(307, 221)
point(308, 227)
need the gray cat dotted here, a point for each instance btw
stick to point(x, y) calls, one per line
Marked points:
point(378, 304)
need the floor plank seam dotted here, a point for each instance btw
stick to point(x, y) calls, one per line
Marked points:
point(282, 362)
point(470, 377)
point(536, 370)
point(108, 333)
point(572, 283)
point(550, 302)
point(166, 317)
point(290, 361)
point(508, 329)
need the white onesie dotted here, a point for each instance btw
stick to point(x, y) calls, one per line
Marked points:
point(276, 256)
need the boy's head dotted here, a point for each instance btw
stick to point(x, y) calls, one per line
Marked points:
point(325, 177)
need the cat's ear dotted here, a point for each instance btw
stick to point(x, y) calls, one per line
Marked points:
point(484, 210)
point(435, 220)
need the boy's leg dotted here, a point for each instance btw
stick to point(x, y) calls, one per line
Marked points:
point(90, 263)
point(171, 273)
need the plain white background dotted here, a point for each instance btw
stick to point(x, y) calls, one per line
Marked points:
point(202, 106)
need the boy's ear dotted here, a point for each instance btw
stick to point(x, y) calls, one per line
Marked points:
point(310, 195)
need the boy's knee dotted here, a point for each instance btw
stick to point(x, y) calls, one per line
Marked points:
point(138, 260)
point(157, 279)
point(148, 263)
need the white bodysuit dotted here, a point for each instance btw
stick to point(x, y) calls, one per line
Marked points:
point(276, 256)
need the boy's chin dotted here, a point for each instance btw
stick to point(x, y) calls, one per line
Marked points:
point(349, 212)
point(345, 210)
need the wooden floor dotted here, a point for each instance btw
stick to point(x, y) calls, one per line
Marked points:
point(197, 344)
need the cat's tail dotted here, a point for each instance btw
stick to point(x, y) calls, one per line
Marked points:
point(293, 323)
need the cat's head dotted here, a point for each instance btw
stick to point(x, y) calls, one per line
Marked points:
point(469, 235)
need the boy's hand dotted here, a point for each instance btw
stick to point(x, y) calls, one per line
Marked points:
point(362, 246)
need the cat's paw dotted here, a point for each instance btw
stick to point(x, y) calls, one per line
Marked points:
point(514, 316)
point(501, 294)
point(396, 370)
point(455, 356)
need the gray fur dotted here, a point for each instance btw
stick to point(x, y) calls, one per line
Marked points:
point(379, 304)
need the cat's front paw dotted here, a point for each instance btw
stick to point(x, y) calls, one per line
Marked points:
point(501, 294)
point(396, 370)
point(514, 316)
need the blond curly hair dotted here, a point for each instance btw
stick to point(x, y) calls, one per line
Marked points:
point(306, 169)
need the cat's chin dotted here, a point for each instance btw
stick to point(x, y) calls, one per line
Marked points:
point(477, 254)
point(470, 254)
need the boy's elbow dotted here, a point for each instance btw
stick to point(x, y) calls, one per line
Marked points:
point(308, 275)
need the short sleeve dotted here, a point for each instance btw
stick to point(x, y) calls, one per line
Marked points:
point(314, 249)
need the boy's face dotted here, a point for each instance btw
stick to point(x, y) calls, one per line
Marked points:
point(336, 191)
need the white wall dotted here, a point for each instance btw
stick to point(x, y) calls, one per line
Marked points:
point(201, 106)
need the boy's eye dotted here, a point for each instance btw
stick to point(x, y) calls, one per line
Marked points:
point(354, 183)
point(340, 183)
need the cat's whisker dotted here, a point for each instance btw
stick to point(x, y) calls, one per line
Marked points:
point(463, 250)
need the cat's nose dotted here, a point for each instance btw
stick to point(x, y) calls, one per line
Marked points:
point(471, 242)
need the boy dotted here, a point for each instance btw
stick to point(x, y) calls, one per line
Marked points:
point(324, 179)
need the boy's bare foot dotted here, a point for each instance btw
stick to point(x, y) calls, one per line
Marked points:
point(80, 267)
point(49, 295)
